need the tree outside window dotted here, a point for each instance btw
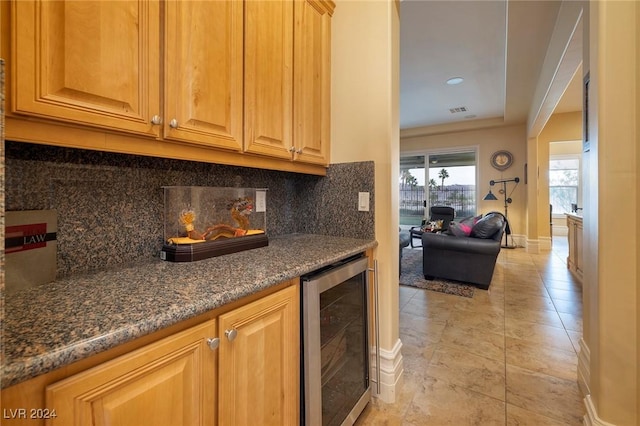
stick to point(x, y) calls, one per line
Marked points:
point(564, 181)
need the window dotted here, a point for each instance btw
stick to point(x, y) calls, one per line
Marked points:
point(564, 182)
point(453, 184)
point(446, 177)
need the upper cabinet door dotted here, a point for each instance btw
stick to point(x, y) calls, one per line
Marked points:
point(268, 77)
point(312, 80)
point(88, 62)
point(203, 72)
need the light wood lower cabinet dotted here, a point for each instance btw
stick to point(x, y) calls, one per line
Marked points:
point(250, 375)
point(259, 365)
point(574, 260)
point(172, 382)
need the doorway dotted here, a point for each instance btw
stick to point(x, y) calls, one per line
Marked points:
point(565, 183)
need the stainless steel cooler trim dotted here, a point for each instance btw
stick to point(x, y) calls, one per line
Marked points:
point(311, 289)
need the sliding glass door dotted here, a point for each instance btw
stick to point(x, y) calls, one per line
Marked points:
point(412, 190)
point(452, 181)
point(437, 178)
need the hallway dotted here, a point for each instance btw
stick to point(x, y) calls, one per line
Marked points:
point(507, 356)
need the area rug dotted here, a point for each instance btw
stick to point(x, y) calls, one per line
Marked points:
point(412, 276)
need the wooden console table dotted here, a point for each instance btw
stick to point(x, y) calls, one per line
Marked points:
point(574, 260)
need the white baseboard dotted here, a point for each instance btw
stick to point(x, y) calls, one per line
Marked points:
point(391, 370)
point(533, 246)
point(591, 418)
point(544, 243)
point(584, 372)
point(559, 230)
point(519, 240)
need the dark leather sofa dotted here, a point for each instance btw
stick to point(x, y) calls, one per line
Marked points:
point(469, 259)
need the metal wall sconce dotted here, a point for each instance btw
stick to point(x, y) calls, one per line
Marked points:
point(507, 200)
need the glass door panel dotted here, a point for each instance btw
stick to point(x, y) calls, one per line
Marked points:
point(412, 190)
point(343, 348)
point(452, 181)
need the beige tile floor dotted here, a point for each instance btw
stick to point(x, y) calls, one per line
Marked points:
point(508, 356)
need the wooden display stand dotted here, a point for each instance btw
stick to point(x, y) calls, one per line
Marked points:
point(200, 251)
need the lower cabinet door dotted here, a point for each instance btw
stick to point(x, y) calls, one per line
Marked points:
point(171, 382)
point(259, 366)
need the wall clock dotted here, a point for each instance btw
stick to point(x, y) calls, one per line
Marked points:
point(502, 160)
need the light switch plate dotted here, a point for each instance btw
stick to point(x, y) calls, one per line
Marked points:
point(363, 201)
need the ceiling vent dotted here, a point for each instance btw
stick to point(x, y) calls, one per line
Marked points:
point(458, 109)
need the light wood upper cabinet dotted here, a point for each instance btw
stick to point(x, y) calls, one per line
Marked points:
point(88, 62)
point(268, 107)
point(250, 79)
point(171, 382)
point(288, 79)
point(312, 80)
point(260, 366)
point(203, 72)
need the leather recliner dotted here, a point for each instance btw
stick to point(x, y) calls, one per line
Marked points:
point(468, 259)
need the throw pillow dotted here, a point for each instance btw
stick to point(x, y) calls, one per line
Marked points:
point(487, 226)
point(463, 227)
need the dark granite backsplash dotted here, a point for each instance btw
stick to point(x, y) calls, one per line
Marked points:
point(110, 206)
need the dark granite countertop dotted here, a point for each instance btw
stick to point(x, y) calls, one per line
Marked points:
point(72, 318)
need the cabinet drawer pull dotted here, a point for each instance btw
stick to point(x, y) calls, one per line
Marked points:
point(213, 343)
point(231, 334)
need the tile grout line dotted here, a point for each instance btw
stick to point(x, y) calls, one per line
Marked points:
point(504, 342)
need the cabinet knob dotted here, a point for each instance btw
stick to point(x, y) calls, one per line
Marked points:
point(156, 119)
point(213, 343)
point(231, 334)
point(173, 123)
point(299, 151)
point(292, 149)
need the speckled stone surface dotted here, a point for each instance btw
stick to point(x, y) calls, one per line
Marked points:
point(110, 206)
point(78, 316)
point(330, 206)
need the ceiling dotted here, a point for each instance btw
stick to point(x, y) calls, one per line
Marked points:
point(497, 46)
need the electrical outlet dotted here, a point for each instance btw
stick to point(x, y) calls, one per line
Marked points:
point(363, 201)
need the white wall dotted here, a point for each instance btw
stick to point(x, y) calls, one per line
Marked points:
point(611, 278)
point(365, 126)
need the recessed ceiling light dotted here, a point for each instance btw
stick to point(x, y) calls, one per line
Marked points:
point(455, 80)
